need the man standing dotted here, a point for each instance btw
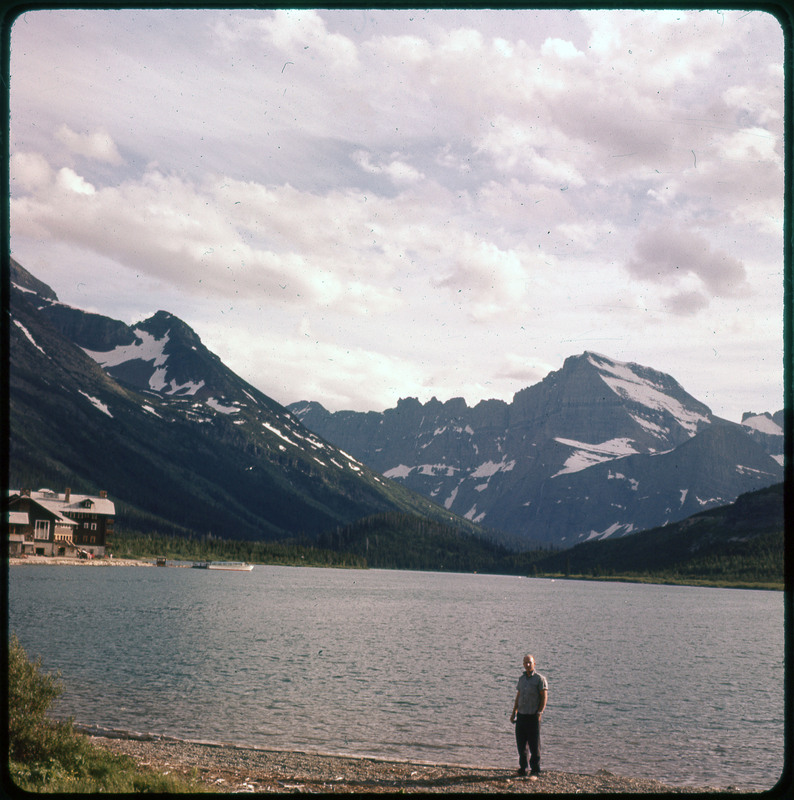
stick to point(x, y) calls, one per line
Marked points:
point(531, 697)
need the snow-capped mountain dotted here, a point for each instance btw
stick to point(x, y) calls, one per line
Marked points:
point(182, 444)
point(598, 448)
point(767, 430)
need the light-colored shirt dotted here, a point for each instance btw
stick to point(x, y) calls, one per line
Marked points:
point(529, 689)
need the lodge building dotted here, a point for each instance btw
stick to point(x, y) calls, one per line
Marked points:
point(47, 523)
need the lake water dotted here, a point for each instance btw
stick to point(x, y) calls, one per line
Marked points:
point(679, 684)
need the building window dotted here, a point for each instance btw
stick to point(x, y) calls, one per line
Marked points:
point(42, 530)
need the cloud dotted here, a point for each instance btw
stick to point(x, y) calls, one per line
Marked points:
point(488, 281)
point(667, 255)
point(307, 367)
point(524, 182)
point(97, 145)
point(397, 170)
point(29, 172)
point(684, 304)
point(72, 182)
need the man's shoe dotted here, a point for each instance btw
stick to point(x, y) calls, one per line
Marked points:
point(522, 773)
point(534, 775)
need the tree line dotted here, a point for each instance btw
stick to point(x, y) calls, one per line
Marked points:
point(396, 540)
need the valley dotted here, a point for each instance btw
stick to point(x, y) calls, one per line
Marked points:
point(597, 453)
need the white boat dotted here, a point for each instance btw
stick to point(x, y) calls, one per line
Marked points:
point(236, 566)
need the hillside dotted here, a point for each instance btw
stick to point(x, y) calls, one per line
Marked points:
point(739, 542)
point(181, 444)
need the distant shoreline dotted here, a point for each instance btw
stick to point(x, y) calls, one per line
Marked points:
point(140, 562)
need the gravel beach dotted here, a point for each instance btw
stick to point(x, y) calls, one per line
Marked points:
point(60, 561)
point(229, 768)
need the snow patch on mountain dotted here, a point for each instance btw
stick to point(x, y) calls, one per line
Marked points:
point(220, 408)
point(400, 471)
point(350, 458)
point(28, 335)
point(622, 379)
point(489, 468)
point(145, 348)
point(614, 528)
point(96, 403)
point(472, 514)
point(278, 433)
point(158, 383)
point(403, 471)
point(451, 499)
point(763, 423)
point(586, 455)
point(436, 469)
point(742, 470)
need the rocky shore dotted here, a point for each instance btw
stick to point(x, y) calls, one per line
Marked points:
point(229, 768)
point(78, 562)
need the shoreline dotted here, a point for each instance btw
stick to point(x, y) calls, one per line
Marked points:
point(237, 768)
point(62, 561)
point(14, 561)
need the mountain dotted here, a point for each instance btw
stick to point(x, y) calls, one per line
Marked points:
point(766, 429)
point(181, 443)
point(598, 448)
point(740, 541)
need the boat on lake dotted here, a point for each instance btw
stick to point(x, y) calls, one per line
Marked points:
point(235, 566)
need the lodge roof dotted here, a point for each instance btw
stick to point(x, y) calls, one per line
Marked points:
point(69, 503)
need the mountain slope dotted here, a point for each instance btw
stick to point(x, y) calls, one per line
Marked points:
point(598, 448)
point(184, 445)
point(744, 539)
point(741, 542)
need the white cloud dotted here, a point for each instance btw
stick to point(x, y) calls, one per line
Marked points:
point(97, 145)
point(29, 172)
point(532, 183)
point(400, 172)
point(560, 48)
point(68, 179)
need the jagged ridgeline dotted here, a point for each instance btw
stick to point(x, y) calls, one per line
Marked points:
point(597, 450)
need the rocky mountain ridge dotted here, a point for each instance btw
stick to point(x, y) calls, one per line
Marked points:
point(598, 448)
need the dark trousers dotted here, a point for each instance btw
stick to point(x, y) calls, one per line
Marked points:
point(528, 741)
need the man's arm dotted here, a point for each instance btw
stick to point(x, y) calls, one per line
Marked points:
point(515, 709)
point(544, 696)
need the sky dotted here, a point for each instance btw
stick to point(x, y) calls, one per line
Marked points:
point(356, 206)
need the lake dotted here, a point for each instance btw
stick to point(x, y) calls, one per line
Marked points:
point(680, 684)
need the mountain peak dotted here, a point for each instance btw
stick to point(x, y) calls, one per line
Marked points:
point(595, 449)
point(23, 280)
point(164, 323)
